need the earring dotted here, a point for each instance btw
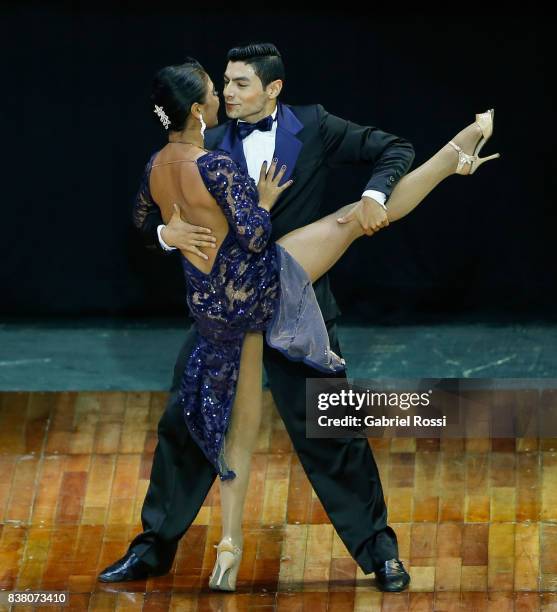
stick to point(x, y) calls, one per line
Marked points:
point(203, 125)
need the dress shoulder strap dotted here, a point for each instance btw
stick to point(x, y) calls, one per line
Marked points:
point(176, 161)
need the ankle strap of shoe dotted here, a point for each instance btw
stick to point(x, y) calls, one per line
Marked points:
point(226, 546)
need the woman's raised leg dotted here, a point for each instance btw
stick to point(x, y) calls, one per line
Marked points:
point(240, 442)
point(318, 246)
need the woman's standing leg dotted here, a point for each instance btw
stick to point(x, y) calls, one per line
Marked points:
point(240, 442)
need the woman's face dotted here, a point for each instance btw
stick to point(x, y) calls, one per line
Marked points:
point(210, 108)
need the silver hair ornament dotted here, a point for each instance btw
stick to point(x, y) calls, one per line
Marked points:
point(162, 116)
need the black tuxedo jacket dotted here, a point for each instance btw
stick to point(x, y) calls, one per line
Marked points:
point(310, 141)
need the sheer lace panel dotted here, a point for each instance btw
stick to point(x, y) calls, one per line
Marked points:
point(236, 194)
point(143, 204)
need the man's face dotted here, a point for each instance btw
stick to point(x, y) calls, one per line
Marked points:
point(243, 93)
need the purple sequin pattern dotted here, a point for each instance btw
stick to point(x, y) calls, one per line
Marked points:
point(238, 295)
point(253, 285)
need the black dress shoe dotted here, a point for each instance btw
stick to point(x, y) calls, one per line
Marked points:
point(391, 576)
point(129, 567)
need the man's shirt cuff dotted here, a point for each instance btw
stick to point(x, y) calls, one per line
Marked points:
point(378, 196)
point(161, 241)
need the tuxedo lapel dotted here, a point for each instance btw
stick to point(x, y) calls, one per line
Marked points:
point(233, 145)
point(287, 146)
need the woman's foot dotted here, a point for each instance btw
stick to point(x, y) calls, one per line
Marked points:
point(225, 572)
point(466, 145)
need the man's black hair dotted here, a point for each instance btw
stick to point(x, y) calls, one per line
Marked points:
point(264, 57)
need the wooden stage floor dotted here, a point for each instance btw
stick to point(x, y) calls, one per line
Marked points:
point(476, 519)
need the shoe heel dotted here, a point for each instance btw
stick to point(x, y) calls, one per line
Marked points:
point(485, 121)
point(224, 563)
point(225, 571)
point(480, 160)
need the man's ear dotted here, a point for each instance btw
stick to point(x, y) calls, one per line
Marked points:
point(274, 88)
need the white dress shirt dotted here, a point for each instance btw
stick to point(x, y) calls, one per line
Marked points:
point(259, 147)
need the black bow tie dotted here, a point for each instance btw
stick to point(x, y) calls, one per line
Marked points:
point(244, 129)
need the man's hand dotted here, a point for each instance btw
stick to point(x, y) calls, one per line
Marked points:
point(187, 237)
point(369, 213)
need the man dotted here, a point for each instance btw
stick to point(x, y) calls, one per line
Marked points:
point(308, 140)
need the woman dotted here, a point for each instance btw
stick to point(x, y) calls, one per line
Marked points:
point(249, 285)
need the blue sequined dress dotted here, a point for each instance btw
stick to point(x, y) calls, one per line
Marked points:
point(254, 285)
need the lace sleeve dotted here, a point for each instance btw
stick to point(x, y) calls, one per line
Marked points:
point(236, 194)
point(143, 204)
point(146, 215)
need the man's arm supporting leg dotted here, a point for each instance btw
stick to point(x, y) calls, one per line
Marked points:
point(180, 479)
point(342, 471)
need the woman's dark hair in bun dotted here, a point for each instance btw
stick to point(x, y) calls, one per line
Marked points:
point(176, 88)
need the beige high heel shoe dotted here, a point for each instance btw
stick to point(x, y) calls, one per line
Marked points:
point(225, 572)
point(485, 121)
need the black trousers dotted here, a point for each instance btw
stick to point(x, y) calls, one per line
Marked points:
point(342, 471)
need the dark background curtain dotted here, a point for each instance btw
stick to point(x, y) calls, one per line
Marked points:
point(78, 128)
